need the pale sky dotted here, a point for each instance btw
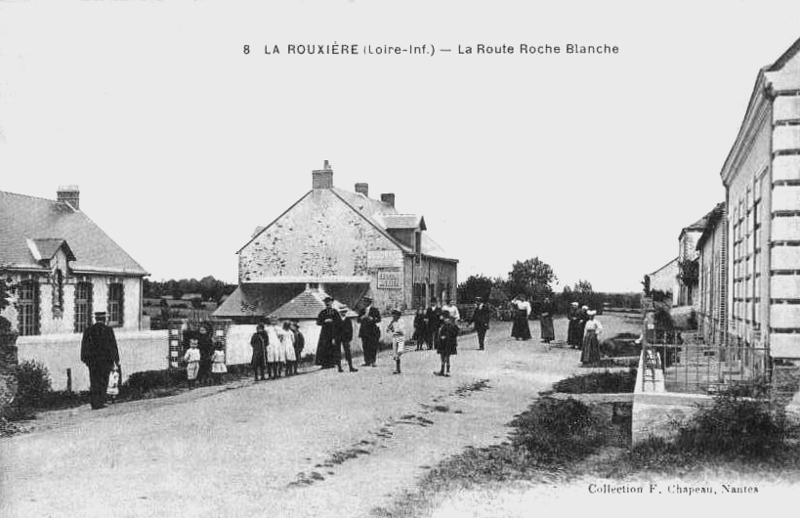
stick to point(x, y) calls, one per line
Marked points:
point(182, 144)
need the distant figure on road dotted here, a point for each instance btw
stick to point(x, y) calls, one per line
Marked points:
point(327, 345)
point(591, 340)
point(369, 333)
point(546, 321)
point(522, 310)
point(259, 342)
point(447, 344)
point(206, 346)
point(420, 336)
point(344, 335)
point(99, 352)
point(395, 329)
point(481, 318)
point(574, 339)
point(433, 317)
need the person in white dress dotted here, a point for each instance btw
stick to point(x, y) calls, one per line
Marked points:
point(287, 344)
point(275, 355)
point(218, 367)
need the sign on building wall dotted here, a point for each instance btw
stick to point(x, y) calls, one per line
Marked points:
point(389, 280)
point(384, 259)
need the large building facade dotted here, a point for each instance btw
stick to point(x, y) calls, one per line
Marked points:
point(762, 182)
point(344, 244)
point(712, 300)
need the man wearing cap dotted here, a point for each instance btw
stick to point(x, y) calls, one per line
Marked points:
point(369, 332)
point(99, 352)
point(481, 318)
point(344, 336)
point(328, 346)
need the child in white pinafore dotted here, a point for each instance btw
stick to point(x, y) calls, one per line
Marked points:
point(218, 367)
point(192, 359)
point(395, 328)
point(287, 343)
point(275, 356)
point(113, 385)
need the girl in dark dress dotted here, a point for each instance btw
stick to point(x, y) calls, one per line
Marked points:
point(546, 322)
point(447, 343)
point(420, 330)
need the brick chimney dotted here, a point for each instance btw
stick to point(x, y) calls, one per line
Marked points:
point(70, 194)
point(363, 188)
point(388, 198)
point(322, 178)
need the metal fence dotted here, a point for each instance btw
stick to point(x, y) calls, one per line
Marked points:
point(700, 368)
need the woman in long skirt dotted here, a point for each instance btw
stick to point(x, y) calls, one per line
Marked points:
point(522, 310)
point(591, 340)
point(546, 322)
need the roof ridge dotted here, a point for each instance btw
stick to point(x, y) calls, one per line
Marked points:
point(30, 196)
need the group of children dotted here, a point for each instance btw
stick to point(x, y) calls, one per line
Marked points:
point(446, 341)
point(276, 349)
point(192, 360)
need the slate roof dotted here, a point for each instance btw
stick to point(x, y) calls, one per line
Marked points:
point(48, 223)
point(47, 248)
point(261, 300)
point(401, 221)
point(713, 217)
point(379, 213)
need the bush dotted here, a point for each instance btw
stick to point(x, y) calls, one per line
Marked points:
point(34, 384)
point(555, 431)
point(734, 426)
point(139, 383)
point(598, 382)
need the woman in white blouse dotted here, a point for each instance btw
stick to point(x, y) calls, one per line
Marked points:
point(591, 339)
point(522, 310)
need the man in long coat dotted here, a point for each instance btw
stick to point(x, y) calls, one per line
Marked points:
point(481, 318)
point(344, 335)
point(99, 352)
point(369, 332)
point(328, 345)
point(259, 342)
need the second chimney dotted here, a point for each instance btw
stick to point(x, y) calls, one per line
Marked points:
point(322, 178)
point(363, 188)
point(388, 198)
point(70, 194)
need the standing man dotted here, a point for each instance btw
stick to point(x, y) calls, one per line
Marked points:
point(344, 336)
point(259, 342)
point(328, 345)
point(434, 320)
point(481, 318)
point(99, 352)
point(369, 332)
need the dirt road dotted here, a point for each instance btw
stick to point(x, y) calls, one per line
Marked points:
point(319, 444)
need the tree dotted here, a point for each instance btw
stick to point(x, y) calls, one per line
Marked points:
point(532, 277)
point(475, 286)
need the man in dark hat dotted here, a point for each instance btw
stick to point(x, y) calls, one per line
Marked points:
point(327, 346)
point(481, 318)
point(369, 332)
point(99, 352)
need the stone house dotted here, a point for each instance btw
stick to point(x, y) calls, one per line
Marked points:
point(761, 176)
point(65, 267)
point(666, 279)
point(688, 254)
point(344, 244)
point(712, 247)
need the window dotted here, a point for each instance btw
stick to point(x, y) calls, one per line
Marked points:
point(28, 308)
point(419, 295)
point(83, 306)
point(115, 304)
